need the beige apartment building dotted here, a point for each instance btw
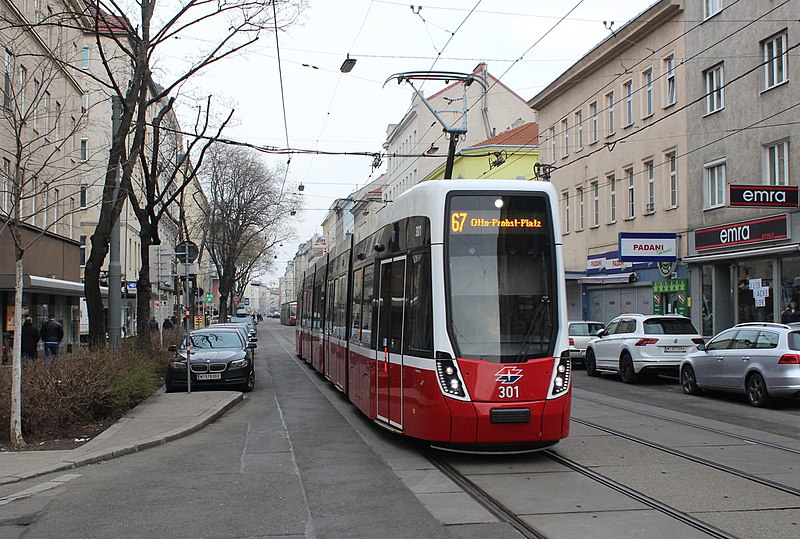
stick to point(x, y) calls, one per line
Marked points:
point(613, 128)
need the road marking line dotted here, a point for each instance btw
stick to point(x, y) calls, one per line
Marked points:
point(38, 489)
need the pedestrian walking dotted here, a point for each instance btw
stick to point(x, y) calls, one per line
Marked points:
point(153, 324)
point(30, 339)
point(167, 324)
point(52, 334)
point(790, 314)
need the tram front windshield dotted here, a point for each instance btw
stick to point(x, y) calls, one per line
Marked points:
point(500, 263)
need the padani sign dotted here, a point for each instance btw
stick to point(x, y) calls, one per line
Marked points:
point(648, 247)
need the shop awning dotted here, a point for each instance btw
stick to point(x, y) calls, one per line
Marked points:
point(732, 255)
point(614, 278)
point(46, 285)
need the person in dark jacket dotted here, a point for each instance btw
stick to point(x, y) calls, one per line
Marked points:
point(167, 324)
point(52, 334)
point(30, 339)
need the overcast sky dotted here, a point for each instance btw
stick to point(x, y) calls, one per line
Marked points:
point(525, 44)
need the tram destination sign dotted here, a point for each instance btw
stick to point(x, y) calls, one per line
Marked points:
point(743, 232)
point(487, 222)
point(764, 196)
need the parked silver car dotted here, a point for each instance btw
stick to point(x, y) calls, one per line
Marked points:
point(580, 333)
point(760, 359)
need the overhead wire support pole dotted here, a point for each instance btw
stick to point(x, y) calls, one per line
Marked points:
point(452, 130)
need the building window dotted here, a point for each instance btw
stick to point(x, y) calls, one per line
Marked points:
point(593, 119)
point(627, 89)
point(565, 198)
point(776, 60)
point(82, 197)
point(565, 131)
point(610, 112)
point(56, 203)
point(611, 181)
point(46, 113)
point(83, 250)
point(651, 187)
point(595, 187)
point(669, 68)
point(23, 82)
point(648, 92)
point(581, 221)
point(777, 161)
point(84, 149)
point(672, 166)
point(552, 144)
point(631, 194)
point(8, 72)
point(85, 57)
point(36, 89)
point(85, 103)
point(579, 130)
point(715, 98)
point(6, 185)
point(45, 206)
point(715, 184)
point(711, 8)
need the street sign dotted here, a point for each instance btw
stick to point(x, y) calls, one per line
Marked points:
point(186, 249)
point(246, 302)
point(209, 298)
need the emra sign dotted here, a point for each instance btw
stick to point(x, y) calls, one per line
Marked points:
point(648, 247)
point(764, 196)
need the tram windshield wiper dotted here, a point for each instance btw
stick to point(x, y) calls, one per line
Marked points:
point(535, 327)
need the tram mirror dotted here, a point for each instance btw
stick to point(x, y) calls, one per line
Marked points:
point(379, 247)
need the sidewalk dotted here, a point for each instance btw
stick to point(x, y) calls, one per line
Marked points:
point(161, 418)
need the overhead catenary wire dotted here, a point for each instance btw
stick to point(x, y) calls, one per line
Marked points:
point(283, 95)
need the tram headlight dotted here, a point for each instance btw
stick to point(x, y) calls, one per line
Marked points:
point(449, 380)
point(563, 371)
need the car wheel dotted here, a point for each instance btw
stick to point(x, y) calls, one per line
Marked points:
point(626, 371)
point(757, 391)
point(689, 381)
point(590, 363)
point(251, 382)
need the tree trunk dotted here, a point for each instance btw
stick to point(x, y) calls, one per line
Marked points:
point(16, 358)
point(143, 293)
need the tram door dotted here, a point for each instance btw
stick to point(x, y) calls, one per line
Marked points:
point(391, 307)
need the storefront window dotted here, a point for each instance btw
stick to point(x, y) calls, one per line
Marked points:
point(707, 308)
point(755, 291)
point(790, 280)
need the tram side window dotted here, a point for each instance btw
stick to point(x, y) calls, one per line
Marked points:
point(355, 322)
point(316, 311)
point(307, 308)
point(330, 307)
point(419, 312)
point(366, 312)
point(340, 310)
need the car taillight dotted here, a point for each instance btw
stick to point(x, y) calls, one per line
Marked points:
point(698, 340)
point(643, 342)
point(571, 341)
point(789, 359)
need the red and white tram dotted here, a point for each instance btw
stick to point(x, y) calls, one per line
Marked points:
point(448, 323)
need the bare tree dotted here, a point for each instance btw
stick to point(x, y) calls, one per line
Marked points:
point(148, 103)
point(248, 215)
point(42, 167)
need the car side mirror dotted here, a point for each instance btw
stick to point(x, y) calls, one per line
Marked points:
point(172, 348)
point(251, 345)
point(600, 332)
point(253, 339)
point(701, 347)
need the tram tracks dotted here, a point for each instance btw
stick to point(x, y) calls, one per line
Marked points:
point(501, 511)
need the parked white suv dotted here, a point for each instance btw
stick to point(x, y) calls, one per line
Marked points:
point(633, 344)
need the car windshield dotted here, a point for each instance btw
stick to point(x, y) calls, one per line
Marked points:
point(669, 326)
point(242, 319)
point(501, 278)
point(209, 341)
point(584, 329)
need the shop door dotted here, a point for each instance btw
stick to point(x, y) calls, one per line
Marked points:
point(391, 307)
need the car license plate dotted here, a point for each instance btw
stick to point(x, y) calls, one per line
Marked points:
point(211, 376)
point(674, 348)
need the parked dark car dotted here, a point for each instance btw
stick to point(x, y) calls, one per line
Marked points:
point(218, 357)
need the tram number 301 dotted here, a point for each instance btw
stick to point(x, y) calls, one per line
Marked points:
point(509, 392)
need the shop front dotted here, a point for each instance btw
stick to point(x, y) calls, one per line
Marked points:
point(748, 271)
